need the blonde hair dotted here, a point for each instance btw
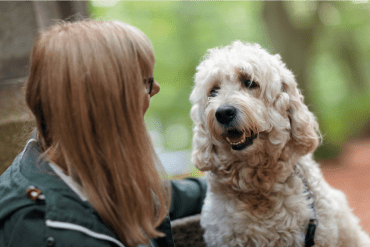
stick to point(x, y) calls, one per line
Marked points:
point(85, 82)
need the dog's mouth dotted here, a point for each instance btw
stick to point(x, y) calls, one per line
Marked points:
point(239, 139)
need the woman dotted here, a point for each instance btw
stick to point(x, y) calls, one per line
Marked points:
point(89, 175)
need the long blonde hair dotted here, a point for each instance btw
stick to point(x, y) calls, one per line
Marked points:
point(84, 87)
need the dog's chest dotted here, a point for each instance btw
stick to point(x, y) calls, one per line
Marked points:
point(227, 223)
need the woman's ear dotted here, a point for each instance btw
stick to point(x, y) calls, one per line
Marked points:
point(203, 149)
point(304, 127)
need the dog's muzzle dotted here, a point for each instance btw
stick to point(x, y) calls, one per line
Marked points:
point(226, 115)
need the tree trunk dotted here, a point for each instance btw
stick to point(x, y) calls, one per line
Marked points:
point(291, 43)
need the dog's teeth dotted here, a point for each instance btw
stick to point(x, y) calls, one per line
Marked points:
point(241, 141)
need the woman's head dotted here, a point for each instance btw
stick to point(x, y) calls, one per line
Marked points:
point(86, 68)
point(87, 90)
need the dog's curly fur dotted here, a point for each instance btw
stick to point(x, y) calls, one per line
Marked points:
point(256, 195)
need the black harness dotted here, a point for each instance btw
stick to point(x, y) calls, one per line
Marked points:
point(314, 222)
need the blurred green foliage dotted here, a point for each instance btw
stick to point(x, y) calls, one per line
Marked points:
point(326, 44)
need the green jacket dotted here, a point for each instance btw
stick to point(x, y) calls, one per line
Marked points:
point(59, 217)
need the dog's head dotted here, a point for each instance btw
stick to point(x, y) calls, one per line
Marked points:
point(246, 104)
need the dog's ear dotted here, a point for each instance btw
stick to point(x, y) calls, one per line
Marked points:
point(304, 128)
point(203, 149)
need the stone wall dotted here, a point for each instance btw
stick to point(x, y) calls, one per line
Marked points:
point(19, 24)
point(18, 27)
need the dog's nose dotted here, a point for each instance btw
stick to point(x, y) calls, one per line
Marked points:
point(225, 114)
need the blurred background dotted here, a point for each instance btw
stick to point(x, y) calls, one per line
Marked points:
point(325, 44)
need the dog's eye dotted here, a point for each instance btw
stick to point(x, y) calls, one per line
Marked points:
point(214, 92)
point(250, 84)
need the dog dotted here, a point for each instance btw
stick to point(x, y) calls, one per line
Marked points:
point(254, 137)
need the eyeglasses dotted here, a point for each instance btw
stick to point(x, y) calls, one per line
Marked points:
point(149, 85)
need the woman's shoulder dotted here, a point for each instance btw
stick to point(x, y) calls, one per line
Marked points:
point(28, 227)
point(23, 227)
point(37, 208)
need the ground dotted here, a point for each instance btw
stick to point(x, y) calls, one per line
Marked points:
point(350, 172)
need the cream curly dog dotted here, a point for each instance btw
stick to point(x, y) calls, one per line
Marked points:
point(255, 137)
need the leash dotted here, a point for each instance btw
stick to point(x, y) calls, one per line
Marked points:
point(314, 222)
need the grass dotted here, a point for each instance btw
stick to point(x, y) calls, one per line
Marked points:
point(195, 173)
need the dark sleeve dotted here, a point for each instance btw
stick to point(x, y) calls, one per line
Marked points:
point(187, 197)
